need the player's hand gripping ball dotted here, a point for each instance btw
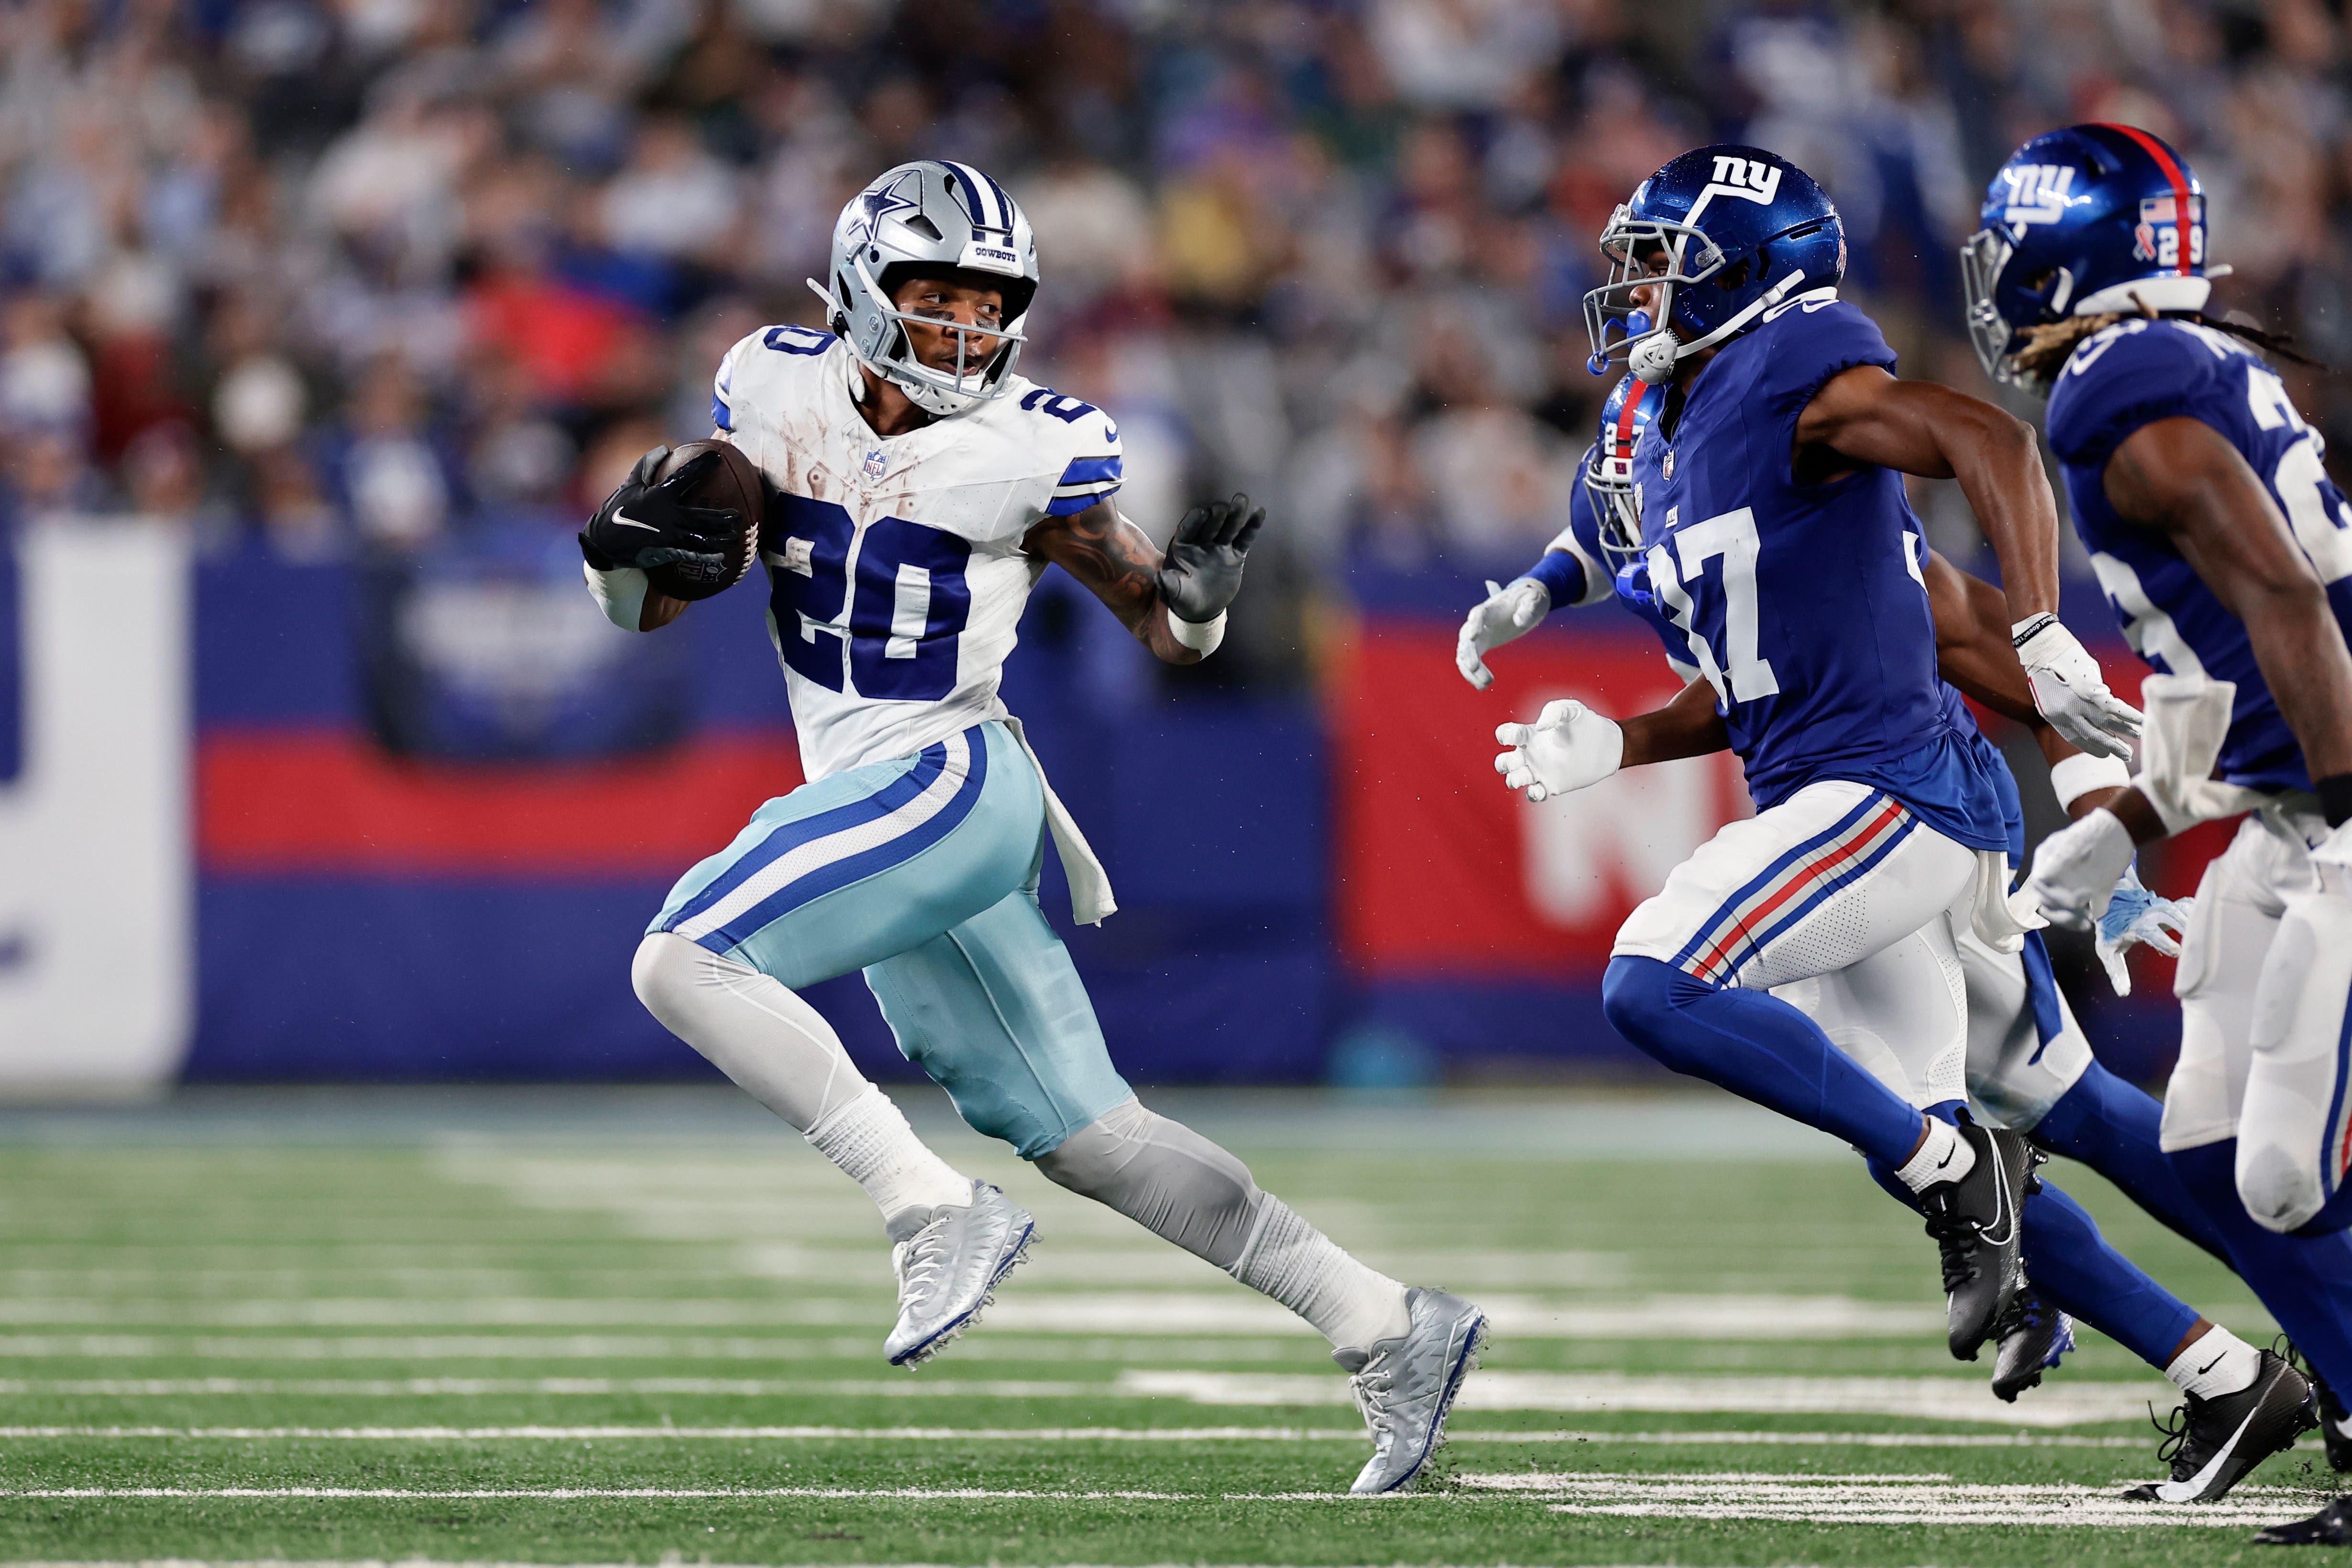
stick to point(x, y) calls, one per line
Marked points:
point(689, 519)
point(1202, 572)
point(1569, 747)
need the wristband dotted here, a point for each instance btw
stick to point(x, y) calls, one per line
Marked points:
point(2025, 631)
point(2075, 777)
point(620, 593)
point(2335, 793)
point(1201, 636)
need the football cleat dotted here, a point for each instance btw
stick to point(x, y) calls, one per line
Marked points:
point(1405, 1387)
point(2030, 1337)
point(1980, 1234)
point(2331, 1526)
point(2335, 1424)
point(949, 1261)
point(2215, 1443)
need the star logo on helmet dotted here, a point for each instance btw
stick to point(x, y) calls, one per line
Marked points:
point(883, 200)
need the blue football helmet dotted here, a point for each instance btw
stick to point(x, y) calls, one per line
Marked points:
point(2086, 220)
point(1609, 473)
point(1738, 230)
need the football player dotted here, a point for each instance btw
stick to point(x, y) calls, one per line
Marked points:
point(1781, 548)
point(2226, 553)
point(919, 488)
point(2029, 1066)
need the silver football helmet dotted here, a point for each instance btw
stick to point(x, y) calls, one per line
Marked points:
point(929, 218)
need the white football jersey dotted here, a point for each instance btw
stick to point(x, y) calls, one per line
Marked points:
point(896, 571)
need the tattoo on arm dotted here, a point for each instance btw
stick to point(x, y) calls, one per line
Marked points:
point(1119, 565)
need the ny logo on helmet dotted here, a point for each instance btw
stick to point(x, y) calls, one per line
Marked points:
point(1746, 178)
point(2038, 192)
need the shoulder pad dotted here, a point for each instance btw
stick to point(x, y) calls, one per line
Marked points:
point(2130, 375)
point(1087, 441)
point(1814, 338)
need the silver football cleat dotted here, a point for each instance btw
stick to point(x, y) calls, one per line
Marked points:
point(948, 1266)
point(1405, 1386)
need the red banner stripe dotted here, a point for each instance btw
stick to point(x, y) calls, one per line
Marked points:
point(330, 801)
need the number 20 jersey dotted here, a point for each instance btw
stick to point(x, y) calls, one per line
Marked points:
point(1804, 605)
point(2134, 373)
point(896, 571)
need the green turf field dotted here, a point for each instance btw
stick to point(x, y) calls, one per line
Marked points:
point(646, 1327)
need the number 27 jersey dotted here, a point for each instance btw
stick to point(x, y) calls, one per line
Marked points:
point(896, 572)
point(1805, 605)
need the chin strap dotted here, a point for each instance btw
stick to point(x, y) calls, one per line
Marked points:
point(1653, 359)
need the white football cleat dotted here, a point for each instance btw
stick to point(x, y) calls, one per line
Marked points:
point(1405, 1386)
point(949, 1267)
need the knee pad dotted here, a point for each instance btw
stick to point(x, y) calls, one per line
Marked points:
point(2293, 1132)
point(1637, 994)
point(1164, 1176)
point(662, 974)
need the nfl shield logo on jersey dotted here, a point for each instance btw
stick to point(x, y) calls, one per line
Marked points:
point(876, 461)
point(1666, 464)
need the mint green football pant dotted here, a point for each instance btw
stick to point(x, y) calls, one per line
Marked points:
point(922, 872)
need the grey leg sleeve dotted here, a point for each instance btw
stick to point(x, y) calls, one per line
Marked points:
point(1164, 1176)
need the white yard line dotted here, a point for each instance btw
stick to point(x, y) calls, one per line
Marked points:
point(1069, 1435)
point(2067, 1403)
point(1918, 1398)
point(1129, 1312)
point(749, 1388)
point(1881, 1499)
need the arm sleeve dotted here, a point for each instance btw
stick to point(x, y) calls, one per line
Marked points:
point(2114, 384)
point(1094, 470)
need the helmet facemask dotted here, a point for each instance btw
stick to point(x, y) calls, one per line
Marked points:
point(1609, 482)
point(1616, 324)
point(982, 372)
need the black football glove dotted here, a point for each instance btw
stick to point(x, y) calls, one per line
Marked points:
point(646, 525)
point(1202, 573)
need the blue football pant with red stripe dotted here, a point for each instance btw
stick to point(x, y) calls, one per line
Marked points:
point(922, 872)
point(1764, 1049)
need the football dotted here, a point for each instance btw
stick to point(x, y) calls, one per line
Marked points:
point(734, 486)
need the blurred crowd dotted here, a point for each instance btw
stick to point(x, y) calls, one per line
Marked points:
point(359, 275)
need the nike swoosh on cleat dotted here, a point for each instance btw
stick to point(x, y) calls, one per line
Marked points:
point(627, 521)
point(2194, 1486)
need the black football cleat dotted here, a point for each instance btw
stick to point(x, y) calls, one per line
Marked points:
point(2215, 1443)
point(2029, 1337)
point(1979, 1231)
point(2331, 1526)
point(2335, 1424)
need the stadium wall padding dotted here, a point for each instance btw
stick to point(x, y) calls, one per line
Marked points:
point(1298, 874)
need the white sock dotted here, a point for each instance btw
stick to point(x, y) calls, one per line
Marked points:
point(868, 1138)
point(1353, 1307)
point(1944, 1156)
point(2217, 1362)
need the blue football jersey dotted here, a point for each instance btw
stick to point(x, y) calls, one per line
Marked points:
point(2136, 372)
point(1804, 605)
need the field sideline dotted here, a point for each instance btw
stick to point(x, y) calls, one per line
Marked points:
point(644, 1326)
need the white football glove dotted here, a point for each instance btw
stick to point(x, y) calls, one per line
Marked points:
point(2134, 916)
point(1567, 747)
point(2069, 691)
point(1507, 611)
point(2076, 868)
